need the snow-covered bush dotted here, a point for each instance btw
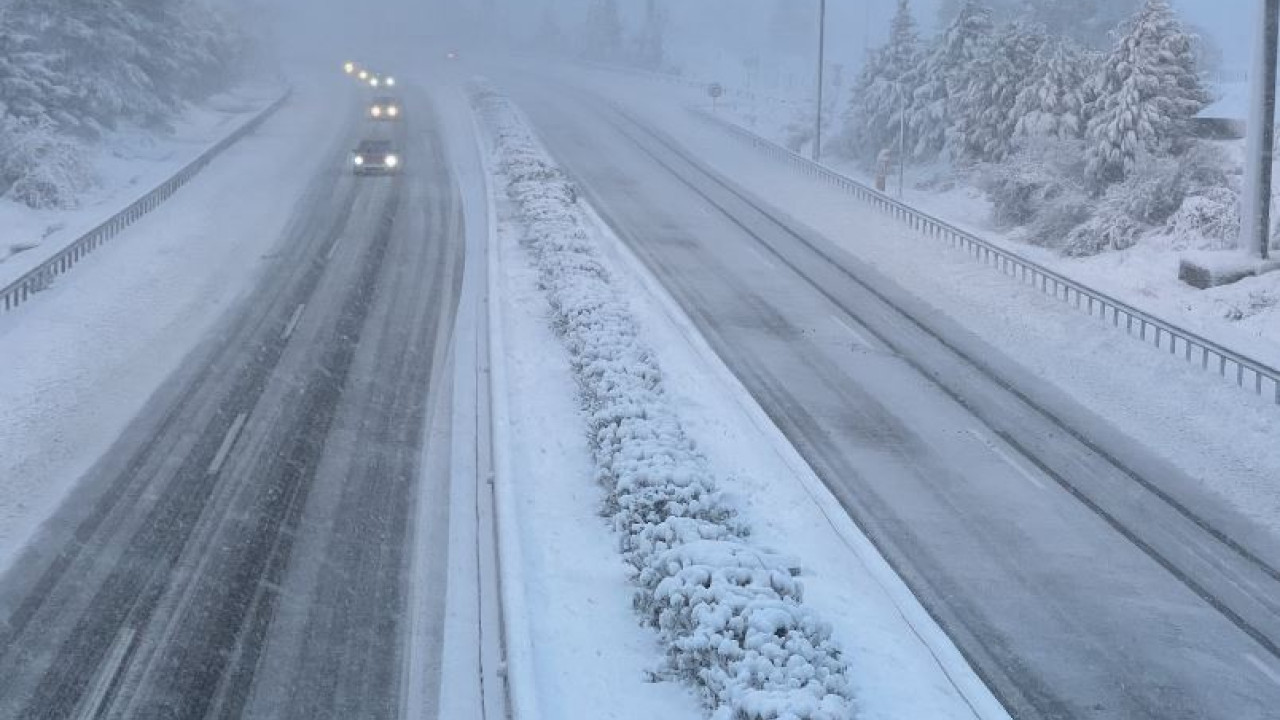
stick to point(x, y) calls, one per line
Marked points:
point(1110, 228)
point(1209, 220)
point(1040, 189)
point(1158, 185)
point(40, 168)
point(731, 617)
point(1039, 174)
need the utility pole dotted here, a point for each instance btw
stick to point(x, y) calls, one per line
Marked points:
point(822, 68)
point(1255, 226)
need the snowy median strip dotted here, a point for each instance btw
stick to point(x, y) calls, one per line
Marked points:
point(731, 617)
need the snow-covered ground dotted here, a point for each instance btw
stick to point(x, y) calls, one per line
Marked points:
point(83, 360)
point(127, 164)
point(1203, 425)
point(592, 658)
point(1244, 316)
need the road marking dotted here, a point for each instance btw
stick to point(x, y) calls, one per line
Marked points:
point(333, 249)
point(227, 442)
point(853, 331)
point(92, 704)
point(1008, 459)
point(1263, 668)
point(293, 322)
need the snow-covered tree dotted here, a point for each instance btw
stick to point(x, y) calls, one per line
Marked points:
point(79, 67)
point(39, 167)
point(983, 117)
point(33, 85)
point(1148, 89)
point(1052, 103)
point(944, 74)
point(651, 44)
point(881, 92)
point(603, 29)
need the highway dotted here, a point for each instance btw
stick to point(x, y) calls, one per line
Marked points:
point(1072, 575)
point(271, 534)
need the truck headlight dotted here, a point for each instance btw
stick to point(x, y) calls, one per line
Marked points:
point(375, 111)
point(393, 111)
point(359, 160)
point(392, 161)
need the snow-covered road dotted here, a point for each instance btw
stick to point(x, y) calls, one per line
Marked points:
point(246, 548)
point(1080, 578)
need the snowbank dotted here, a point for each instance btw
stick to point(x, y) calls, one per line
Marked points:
point(731, 617)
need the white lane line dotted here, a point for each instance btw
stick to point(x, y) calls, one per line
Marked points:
point(862, 339)
point(1009, 460)
point(227, 442)
point(293, 322)
point(333, 249)
point(92, 704)
point(1263, 667)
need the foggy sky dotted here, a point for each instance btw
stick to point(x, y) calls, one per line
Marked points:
point(334, 27)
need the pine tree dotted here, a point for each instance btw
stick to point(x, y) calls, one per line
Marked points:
point(983, 109)
point(1148, 90)
point(944, 75)
point(880, 94)
point(603, 41)
point(31, 87)
point(651, 51)
point(1052, 104)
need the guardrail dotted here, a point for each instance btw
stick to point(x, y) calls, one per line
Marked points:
point(1245, 372)
point(42, 276)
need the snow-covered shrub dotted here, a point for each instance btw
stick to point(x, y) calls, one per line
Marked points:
point(1042, 173)
point(1208, 220)
point(731, 617)
point(1040, 190)
point(1258, 302)
point(1158, 185)
point(1110, 228)
point(40, 168)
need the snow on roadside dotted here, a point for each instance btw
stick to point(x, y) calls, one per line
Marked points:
point(1224, 439)
point(79, 364)
point(127, 163)
point(731, 616)
point(1244, 316)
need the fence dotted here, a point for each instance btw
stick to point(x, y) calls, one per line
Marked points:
point(43, 275)
point(1243, 371)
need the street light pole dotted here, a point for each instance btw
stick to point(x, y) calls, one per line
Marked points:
point(1255, 225)
point(822, 65)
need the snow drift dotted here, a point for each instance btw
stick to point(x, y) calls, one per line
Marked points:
point(731, 616)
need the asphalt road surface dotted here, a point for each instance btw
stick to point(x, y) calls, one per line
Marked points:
point(245, 549)
point(1074, 572)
